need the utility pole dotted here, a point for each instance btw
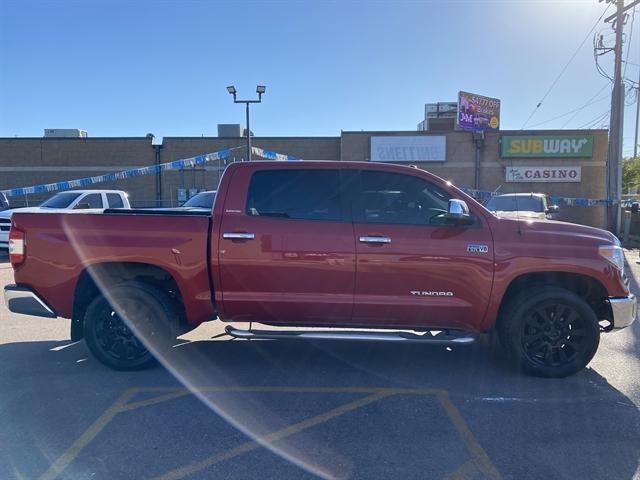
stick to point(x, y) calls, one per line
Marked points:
point(614, 154)
point(614, 168)
point(635, 142)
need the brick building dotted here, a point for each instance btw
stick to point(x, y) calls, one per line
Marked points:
point(527, 165)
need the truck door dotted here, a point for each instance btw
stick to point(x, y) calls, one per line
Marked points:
point(413, 270)
point(286, 247)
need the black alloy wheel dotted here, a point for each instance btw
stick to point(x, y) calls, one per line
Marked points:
point(549, 331)
point(116, 339)
point(129, 343)
point(553, 335)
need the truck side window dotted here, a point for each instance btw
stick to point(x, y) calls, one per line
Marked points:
point(94, 200)
point(114, 200)
point(295, 194)
point(395, 198)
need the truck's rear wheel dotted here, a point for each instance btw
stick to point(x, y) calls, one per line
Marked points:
point(126, 343)
point(549, 332)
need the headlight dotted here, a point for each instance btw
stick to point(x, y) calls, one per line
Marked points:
point(614, 254)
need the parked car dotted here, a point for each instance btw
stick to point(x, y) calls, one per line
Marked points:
point(635, 206)
point(393, 252)
point(523, 205)
point(4, 203)
point(201, 200)
point(68, 200)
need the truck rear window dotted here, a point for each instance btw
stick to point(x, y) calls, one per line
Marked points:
point(114, 200)
point(295, 194)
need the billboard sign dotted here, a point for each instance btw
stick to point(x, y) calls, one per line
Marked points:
point(547, 146)
point(478, 113)
point(545, 174)
point(401, 148)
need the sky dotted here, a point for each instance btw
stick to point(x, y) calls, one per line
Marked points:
point(128, 68)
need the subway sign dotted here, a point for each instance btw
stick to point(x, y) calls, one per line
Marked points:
point(537, 146)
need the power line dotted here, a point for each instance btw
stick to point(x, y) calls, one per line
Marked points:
point(553, 84)
point(595, 121)
point(574, 115)
point(633, 17)
point(576, 110)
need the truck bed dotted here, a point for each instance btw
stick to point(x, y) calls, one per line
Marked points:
point(61, 246)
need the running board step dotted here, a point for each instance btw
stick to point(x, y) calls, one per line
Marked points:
point(442, 338)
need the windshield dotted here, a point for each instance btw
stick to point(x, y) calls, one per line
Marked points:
point(515, 203)
point(61, 200)
point(201, 200)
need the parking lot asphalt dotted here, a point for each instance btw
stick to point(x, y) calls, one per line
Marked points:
point(274, 409)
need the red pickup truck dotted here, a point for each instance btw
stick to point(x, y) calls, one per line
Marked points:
point(384, 252)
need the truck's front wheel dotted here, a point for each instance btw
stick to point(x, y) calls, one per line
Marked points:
point(125, 324)
point(549, 332)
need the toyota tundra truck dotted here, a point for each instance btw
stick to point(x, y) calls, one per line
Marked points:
point(324, 250)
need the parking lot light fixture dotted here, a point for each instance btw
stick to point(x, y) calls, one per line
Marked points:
point(260, 89)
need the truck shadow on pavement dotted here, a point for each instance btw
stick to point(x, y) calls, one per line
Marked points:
point(529, 427)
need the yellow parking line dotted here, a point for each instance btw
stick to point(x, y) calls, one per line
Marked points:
point(479, 456)
point(480, 459)
point(275, 389)
point(465, 471)
point(72, 452)
point(182, 472)
point(152, 401)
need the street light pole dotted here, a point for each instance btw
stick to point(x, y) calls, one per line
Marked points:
point(260, 90)
point(248, 135)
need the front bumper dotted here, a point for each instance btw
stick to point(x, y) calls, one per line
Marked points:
point(624, 310)
point(23, 300)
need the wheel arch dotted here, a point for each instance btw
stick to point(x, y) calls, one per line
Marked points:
point(585, 286)
point(109, 274)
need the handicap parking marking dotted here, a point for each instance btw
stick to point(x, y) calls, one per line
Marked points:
point(87, 437)
point(478, 454)
point(480, 462)
point(265, 440)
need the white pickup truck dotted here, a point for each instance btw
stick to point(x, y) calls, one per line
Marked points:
point(69, 200)
point(523, 205)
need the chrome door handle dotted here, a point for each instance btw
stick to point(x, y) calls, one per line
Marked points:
point(370, 239)
point(239, 235)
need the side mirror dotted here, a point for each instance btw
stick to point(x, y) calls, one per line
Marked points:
point(458, 213)
point(553, 209)
point(82, 206)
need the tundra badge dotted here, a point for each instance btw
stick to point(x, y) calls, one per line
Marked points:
point(473, 248)
point(423, 293)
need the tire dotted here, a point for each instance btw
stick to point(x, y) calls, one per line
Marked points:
point(549, 332)
point(111, 339)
